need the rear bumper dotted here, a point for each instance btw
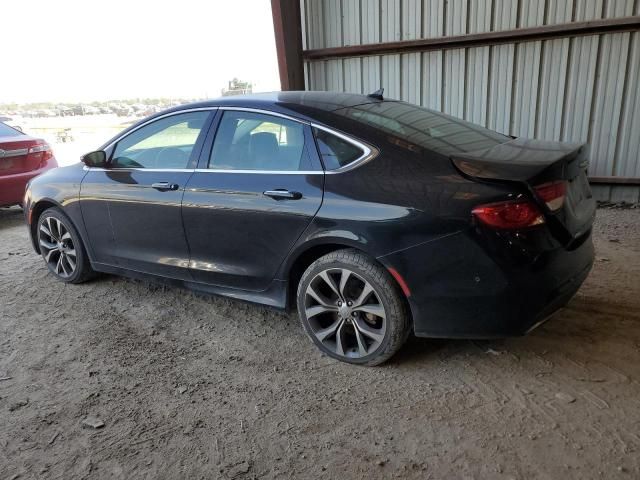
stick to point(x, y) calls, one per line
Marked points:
point(460, 289)
point(12, 187)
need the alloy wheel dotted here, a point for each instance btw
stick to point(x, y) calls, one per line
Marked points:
point(345, 313)
point(57, 247)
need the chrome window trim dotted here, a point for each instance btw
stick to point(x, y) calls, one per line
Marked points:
point(268, 172)
point(265, 112)
point(205, 170)
point(133, 169)
point(151, 120)
point(369, 152)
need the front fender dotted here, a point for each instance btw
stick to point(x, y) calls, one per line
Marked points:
point(59, 187)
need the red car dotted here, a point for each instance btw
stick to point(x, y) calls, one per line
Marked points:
point(22, 157)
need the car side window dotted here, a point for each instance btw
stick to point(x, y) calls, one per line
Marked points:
point(256, 141)
point(165, 143)
point(335, 151)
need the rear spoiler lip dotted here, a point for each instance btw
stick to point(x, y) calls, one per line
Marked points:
point(520, 160)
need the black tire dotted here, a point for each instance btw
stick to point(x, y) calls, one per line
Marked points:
point(82, 270)
point(394, 321)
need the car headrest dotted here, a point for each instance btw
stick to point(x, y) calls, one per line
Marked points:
point(263, 144)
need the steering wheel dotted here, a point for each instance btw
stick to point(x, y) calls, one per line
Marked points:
point(171, 157)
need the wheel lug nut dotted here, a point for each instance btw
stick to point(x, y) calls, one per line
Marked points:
point(354, 314)
point(349, 303)
point(339, 304)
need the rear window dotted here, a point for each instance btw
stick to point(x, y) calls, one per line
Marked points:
point(335, 151)
point(7, 131)
point(426, 128)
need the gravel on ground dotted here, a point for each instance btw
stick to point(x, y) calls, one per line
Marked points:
point(119, 378)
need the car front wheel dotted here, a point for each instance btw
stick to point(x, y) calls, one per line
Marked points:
point(352, 309)
point(62, 248)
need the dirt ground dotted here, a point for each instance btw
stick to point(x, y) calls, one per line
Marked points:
point(190, 386)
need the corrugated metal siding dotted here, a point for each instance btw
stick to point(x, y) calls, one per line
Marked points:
point(582, 89)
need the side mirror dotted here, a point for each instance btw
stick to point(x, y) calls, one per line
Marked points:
point(95, 159)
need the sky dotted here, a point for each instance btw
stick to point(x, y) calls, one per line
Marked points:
point(84, 50)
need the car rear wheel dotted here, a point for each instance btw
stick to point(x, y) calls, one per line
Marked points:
point(352, 309)
point(62, 248)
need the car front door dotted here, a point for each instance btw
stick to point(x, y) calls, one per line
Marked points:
point(257, 188)
point(132, 208)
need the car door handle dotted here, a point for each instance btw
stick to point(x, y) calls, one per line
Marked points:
point(282, 194)
point(164, 186)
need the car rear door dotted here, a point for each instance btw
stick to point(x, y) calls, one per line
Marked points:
point(258, 186)
point(132, 208)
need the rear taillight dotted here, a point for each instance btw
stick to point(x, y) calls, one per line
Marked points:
point(552, 194)
point(510, 215)
point(42, 152)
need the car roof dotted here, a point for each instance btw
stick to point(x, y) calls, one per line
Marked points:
point(300, 104)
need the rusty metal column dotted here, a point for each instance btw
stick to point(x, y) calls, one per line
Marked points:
point(288, 33)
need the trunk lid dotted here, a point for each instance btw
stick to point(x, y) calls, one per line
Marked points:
point(532, 163)
point(15, 156)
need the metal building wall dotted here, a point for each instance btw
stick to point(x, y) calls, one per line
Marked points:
point(582, 89)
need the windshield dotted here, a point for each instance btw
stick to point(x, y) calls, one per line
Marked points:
point(7, 131)
point(426, 128)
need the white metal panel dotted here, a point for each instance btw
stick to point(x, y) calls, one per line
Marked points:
point(351, 22)
point(501, 69)
point(390, 76)
point(352, 75)
point(303, 15)
point(371, 74)
point(477, 69)
point(559, 11)
point(456, 21)
point(390, 20)
point(583, 56)
point(627, 159)
point(583, 88)
point(608, 94)
point(619, 8)
point(579, 88)
point(480, 12)
point(532, 13)
point(587, 10)
point(352, 67)
point(477, 85)
point(526, 89)
point(411, 19)
point(391, 26)
point(334, 75)
point(551, 96)
point(315, 20)
point(432, 80)
point(332, 21)
point(501, 88)
point(453, 82)
point(608, 102)
point(454, 60)
point(526, 75)
point(317, 78)
point(370, 33)
point(411, 63)
point(555, 54)
point(370, 21)
point(433, 18)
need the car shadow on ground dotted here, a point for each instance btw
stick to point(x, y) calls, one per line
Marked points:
point(587, 329)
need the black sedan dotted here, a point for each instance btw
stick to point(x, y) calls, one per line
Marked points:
point(374, 217)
